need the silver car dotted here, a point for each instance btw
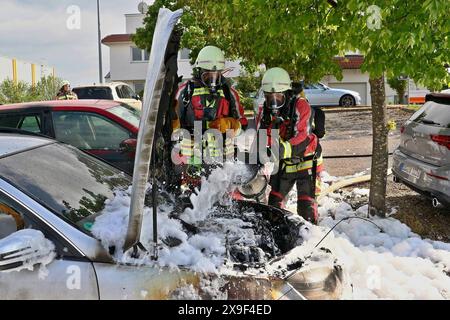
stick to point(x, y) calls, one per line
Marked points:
point(422, 160)
point(50, 197)
point(318, 95)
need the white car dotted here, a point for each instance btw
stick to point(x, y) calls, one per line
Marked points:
point(118, 91)
point(320, 95)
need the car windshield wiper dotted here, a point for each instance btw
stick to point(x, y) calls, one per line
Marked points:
point(426, 121)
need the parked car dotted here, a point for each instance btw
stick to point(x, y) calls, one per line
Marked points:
point(422, 160)
point(106, 129)
point(117, 91)
point(318, 95)
point(50, 197)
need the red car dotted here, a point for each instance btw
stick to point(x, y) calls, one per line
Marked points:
point(106, 129)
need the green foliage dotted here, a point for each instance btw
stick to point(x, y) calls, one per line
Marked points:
point(304, 36)
point(45, 89)
point(300, 36)
point(144, 36)
point(414, 107)
point(399, 86)
point(412, 38)
point(248, 85)
point(14, 93)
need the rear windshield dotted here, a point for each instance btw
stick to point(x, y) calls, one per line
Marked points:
point(65, 180)
point(103, 93)
point(127, 113)
point(433, 113)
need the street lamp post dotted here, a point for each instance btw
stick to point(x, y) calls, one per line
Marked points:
point(100, 71)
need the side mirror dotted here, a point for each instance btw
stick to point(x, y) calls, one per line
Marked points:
point(137, 97)
point(128, 145)
point(24, 249)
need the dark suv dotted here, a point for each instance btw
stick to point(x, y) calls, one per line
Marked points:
point(422, 160)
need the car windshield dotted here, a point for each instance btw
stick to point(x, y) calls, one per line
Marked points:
point(311, 86)
point(433, 113)
point(94, 93)
point(68, 182)
point(127, 92)
point(127, 113)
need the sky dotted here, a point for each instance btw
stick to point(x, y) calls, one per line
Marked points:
point(48, 32)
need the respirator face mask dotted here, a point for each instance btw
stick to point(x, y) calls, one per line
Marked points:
point(275, 101)
point(211, 79)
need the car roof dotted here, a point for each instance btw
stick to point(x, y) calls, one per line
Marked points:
point(11, 143)
point(109, 84)
point(438, 97)
point(101, 104)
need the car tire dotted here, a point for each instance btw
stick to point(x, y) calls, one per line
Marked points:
point(347, 101)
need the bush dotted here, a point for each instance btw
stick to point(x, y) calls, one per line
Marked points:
point(248, 85)
point(45, 89)
point(399, 86)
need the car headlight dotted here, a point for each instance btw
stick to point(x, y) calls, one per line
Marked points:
point(320, 283)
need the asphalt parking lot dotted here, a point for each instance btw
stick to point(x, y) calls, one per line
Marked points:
point(350, 133)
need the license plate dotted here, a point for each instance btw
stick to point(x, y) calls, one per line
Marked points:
point(412, 171)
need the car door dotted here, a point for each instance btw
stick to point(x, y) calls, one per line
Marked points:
point(95, 134)
point(327, 97)
point(68, 276)
point(318, 95)
point(312, 93)
point(35, 121)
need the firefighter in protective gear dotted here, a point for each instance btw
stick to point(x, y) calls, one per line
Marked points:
point(300, 159)
point(209, 100)
point(65, 93)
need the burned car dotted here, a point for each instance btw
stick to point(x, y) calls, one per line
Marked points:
point(74, 227)
point(51, 198)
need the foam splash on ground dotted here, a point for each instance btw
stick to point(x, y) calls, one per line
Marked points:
point(393, 264)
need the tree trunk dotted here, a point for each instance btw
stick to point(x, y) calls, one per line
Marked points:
point(377, 198)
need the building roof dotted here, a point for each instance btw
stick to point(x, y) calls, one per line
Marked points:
point(350, 61)
point(114, 38)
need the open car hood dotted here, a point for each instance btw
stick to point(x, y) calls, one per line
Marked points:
point(161, 79)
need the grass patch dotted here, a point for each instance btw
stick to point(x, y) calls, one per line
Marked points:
point(414, 107)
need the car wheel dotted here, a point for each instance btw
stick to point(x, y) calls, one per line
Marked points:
point(347, 101)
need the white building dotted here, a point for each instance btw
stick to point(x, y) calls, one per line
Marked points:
point(18, 70)
point(129, 64)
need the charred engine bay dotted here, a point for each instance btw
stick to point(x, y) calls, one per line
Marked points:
point(254, 233)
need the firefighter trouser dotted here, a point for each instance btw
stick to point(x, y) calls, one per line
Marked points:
point(282, 184)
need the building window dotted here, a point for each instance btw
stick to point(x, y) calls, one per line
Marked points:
point(138, 54)
point(184, 54)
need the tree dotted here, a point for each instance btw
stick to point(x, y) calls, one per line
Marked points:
point(248, 84)
point(47, 88)
point(400, 86)
point(396, 37)
point(304, 36)
point(11, 92)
